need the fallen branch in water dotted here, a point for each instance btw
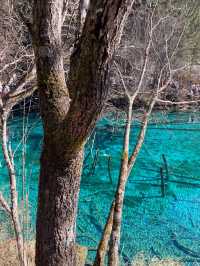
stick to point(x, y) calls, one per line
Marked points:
point(186, 250)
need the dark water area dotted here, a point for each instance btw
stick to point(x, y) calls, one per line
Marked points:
point(162, 227)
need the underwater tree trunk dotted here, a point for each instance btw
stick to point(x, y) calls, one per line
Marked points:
point(69, 113)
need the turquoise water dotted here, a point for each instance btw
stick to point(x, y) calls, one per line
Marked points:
point(157, 226)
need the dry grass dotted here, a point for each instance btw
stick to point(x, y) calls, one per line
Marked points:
point(8, 253)
point(8, 256)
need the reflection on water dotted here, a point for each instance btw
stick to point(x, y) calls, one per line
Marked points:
point(158, 227)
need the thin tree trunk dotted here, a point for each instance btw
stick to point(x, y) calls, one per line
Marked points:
point(119, 196)
point(12, 98)
point(124, 174)
point(141, 136)
point(103, 244)
point(13, 193)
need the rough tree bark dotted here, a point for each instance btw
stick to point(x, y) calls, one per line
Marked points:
point(69, 113)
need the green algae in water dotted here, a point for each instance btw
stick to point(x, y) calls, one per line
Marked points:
point(151, 224)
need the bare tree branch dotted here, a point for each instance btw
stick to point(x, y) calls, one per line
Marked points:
point(4, 204)
point(177, 103)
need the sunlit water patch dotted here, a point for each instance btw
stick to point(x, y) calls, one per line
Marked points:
point(157, 226)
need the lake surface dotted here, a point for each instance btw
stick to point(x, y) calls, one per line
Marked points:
point(163, 227)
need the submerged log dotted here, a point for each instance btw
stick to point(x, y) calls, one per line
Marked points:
point(186, 250)
point(166, 166)
point(162, 185)
point(110, 169)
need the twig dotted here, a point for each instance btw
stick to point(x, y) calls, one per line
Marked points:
point(4, 204)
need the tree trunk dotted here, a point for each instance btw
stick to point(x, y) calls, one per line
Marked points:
point(126, 166)
point(103, 244)
point(58, 198)
point(119, 196)
point(69, 114)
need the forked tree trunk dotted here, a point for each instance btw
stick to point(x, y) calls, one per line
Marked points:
point(69, 113)
point(126, 166)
